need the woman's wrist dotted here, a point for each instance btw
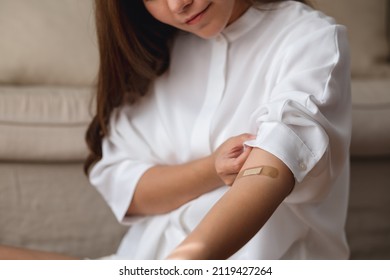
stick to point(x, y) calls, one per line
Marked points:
point(213, 174)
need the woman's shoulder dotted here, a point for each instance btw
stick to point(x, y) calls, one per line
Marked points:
point(292, 20)
point(294, 14)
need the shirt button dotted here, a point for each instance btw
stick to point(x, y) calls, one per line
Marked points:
point(302, 166)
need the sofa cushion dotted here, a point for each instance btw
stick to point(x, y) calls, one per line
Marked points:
point(371, 118)
point(44, 123)
point(367, 23)
point(52, 207)
point(47, 42)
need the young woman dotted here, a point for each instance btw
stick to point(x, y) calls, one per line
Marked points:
point(184, 87)
point(222, 129)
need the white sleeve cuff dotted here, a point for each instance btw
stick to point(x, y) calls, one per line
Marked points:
point(279, 140)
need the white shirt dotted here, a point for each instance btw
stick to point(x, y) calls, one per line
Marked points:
point(282, 74)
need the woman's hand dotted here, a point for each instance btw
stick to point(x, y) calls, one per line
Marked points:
point(231, 156)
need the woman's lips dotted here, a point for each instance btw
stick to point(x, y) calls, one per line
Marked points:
point(198, 17)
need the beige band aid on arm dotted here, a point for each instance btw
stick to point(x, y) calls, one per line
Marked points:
point(260, 170)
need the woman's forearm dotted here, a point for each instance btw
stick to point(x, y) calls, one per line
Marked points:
point(165, 188)
point(240, 213)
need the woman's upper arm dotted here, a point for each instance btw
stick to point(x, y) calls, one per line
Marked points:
point(281, 174)
point(247, 205)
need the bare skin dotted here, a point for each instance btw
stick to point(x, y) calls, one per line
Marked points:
point(14, 253)
point(204, 18)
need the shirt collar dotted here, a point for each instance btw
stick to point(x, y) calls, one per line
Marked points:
point(243, 24)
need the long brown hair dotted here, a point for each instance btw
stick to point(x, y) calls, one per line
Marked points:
point(134, 49)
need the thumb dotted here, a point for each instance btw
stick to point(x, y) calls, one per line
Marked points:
point(244, 155)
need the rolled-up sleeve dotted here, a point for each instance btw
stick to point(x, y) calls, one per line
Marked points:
point(307, 113)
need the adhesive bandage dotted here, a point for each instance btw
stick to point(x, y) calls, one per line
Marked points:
point(260, 170)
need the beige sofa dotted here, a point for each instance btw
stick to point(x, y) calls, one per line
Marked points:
point(48, 64)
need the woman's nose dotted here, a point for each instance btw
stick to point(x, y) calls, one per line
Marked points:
point(179, 6)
